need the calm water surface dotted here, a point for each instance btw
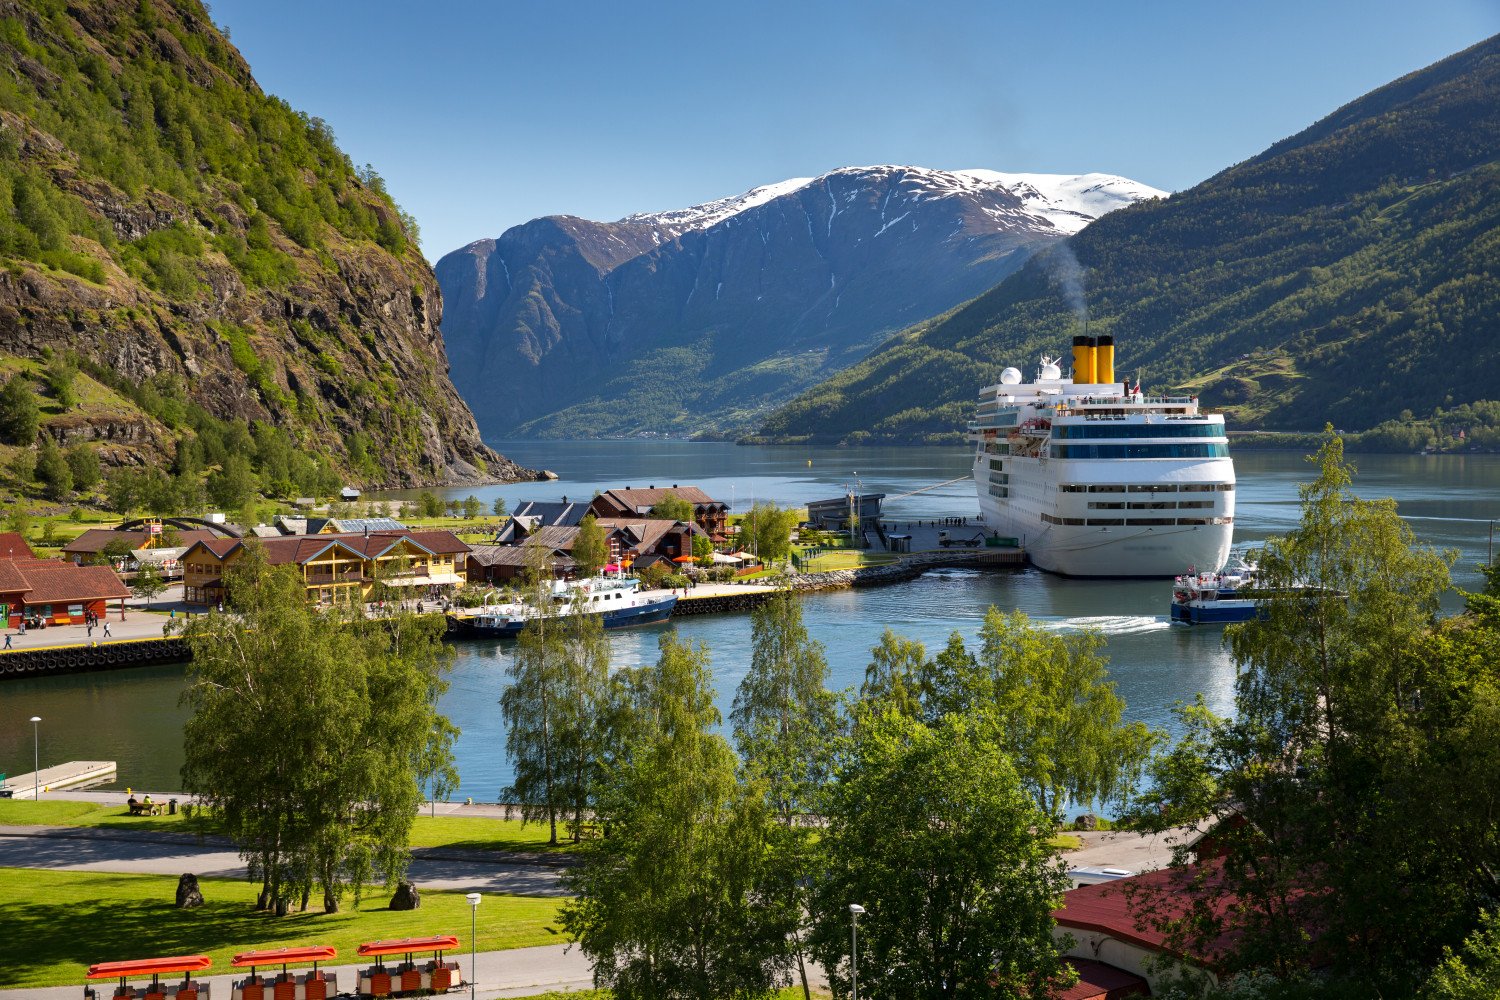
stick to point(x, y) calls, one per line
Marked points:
point(132, 716)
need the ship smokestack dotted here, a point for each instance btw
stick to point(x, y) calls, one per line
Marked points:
point(1104, 360)
point(1084, 360)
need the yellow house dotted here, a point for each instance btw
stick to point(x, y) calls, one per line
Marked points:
point(334, 567)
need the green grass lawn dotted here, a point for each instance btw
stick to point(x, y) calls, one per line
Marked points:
point(472, 833)
point(58, 923)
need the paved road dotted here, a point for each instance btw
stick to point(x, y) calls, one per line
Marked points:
point(88, 849)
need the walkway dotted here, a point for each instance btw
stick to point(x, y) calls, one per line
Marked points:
point(520, 972)
point(159, 853)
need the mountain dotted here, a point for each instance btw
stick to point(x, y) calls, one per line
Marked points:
point(696, 321)
point(1346, 274)
point(209, 260)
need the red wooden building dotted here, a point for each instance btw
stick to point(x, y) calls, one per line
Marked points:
point(54, 592)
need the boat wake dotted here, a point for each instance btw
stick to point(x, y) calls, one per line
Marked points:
point(1109, 624)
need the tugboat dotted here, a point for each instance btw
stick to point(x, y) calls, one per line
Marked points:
point(619, 603)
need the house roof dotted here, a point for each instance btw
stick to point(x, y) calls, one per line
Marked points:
point(553, 512)
point(1105, 908)
point(50, 581)
point(646, 533)
point(634, 501)
point(63, 583)
point(1101, 981)
point(94, 540)
point(298, 549)
point(13, 546)
point(512, 555)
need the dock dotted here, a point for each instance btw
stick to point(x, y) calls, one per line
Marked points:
point(50, 779)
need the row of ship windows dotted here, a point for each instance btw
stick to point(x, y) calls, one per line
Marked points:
point(1207, 449)
point(1178, 430)
point(1117, 522)
point(1147, 488)
point(1151, 505)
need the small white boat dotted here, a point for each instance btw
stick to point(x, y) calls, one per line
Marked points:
point(618, 601)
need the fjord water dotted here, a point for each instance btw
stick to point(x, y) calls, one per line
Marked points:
point(133, 717)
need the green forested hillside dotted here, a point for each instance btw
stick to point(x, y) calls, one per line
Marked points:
point(1347, 274)
point(210, 260)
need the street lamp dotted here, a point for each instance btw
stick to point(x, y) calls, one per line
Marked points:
point(36, 757)
point(854, 911)
point(473, 899)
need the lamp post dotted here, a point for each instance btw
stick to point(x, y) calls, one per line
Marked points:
point(854, 911)
point(473, 899)
point(36, 757)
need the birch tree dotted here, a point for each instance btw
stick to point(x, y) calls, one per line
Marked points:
point(309, 731)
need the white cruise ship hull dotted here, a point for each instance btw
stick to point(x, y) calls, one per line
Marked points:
point(1098, 480)
point(1072, 550)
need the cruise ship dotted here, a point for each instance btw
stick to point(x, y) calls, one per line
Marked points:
point(1095, 479)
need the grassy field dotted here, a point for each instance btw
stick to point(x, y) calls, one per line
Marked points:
point(57, 923)
point(472, 833)
point(845, 559)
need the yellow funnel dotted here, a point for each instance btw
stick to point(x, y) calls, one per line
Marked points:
point(1104, 361)
point(1083, 360)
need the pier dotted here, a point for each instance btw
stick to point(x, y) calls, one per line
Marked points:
point(50, 779)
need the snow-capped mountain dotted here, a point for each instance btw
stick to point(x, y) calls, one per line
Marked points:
point(566, 327)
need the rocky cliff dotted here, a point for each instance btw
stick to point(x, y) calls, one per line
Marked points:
point(208, 254)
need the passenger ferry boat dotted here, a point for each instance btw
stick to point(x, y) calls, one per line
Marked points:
point(620, 603)
point(1095, 479)
point(1227, 596)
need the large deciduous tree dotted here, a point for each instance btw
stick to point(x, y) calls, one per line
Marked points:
point(681, 898)
point(930, 829)
point(1360, 761)
point(1058, 713)
point(310, 732)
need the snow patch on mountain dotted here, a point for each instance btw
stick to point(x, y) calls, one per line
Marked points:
point(1062, 202)
point(714, 212)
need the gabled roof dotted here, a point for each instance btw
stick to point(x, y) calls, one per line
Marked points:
point(299, 549)
point(553, 512)
point(13, 546)
point(64, 583)
point(513, 555)
point(646, 533)
point(634, 501)
point(95, 540)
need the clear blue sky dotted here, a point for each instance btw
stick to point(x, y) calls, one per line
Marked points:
point(482, 115)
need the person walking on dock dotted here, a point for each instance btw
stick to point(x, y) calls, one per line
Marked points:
point(7, 640)
point(106, 630)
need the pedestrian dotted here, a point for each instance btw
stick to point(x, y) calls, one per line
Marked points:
point(7, 640)
point(90, 627)
point(106, 630)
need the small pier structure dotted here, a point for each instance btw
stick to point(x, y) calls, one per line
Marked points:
point(50, 779)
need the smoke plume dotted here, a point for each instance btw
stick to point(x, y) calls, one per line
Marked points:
point(1067, 274)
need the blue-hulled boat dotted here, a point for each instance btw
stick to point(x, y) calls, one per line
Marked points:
point(619, 603)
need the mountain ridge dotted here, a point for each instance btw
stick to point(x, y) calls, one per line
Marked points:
point(565, 327)
point(1331, 277)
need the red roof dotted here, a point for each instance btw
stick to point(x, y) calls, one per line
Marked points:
point(1099, 981)
point(1105, 908)
point(64, 583)
point(633, 501)
point(42, 581)
point(94, 540)
point(13, 546)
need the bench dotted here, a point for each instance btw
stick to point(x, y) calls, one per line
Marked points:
point(142, 809)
